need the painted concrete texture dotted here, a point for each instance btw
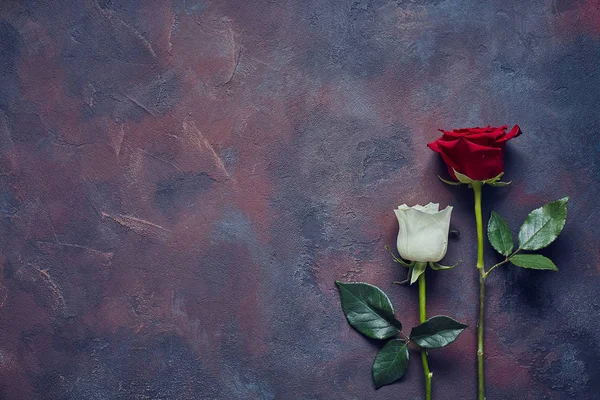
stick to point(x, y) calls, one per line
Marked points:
point(181, 183)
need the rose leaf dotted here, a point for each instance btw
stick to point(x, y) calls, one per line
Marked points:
point(543, 225)
point(390, 363)
point(368, 310)
point(533, 261)
point(499, 234)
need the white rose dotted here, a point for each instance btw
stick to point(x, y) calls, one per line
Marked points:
point(423, 232)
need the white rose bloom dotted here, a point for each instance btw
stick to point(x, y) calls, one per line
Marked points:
point(423, 232)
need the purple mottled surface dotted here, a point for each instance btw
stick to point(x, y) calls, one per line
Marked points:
point(182, 181)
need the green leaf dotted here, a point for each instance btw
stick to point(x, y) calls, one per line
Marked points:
point(439, 267)
point(418, 269)
point(499, 234)
point(543, 225)
point(533, 261)
point(391, 363)
point(368, 310)
point(436, 332)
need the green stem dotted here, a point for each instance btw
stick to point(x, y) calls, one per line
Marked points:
point(482, 275)
point(477, 189)
point(422, 318)
point(501, 263)
point(480, 373)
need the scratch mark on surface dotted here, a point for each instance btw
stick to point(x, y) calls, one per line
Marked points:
point(4, 297)
point(89, 200)
point(119, 142)
point(116, 137)
point(266, 64)
point(236, 55)
point(193, 132)
point(174, 27)
point(138, 225)
point(235, 66)
point(47, 213)
point(162, 160)
point(53, 286)
point(89, 92)
point(137, 103)
point(60, 141)
point(112, 17)
point(135, 169)
point(127, 62)
point(105, 254)
point(6, 141)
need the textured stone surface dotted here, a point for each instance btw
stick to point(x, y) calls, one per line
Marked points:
point(182, 181)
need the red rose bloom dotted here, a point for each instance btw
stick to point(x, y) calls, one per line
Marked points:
point(475, 152)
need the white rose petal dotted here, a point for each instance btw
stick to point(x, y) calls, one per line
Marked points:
point(423, 232)
point(429, 208)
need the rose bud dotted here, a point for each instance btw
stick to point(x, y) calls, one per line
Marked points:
point(475, 152)
point(423, 232)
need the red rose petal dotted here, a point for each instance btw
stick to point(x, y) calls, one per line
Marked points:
point(514, 132)
point(434, 146)
point(481, 162)
point(476, 152)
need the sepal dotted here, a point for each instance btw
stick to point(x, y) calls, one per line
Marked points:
point(462, 178)
point(407, 280)
point(447, 182)
point(399, 260)
point(418, 269)
point(500, 184)
point(439, 267)
point(495, 181)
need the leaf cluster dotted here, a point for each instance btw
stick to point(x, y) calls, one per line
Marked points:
point(369, 310)
point(541, 227)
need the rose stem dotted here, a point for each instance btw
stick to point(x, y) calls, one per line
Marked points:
point(422, 318)
point(480, 267)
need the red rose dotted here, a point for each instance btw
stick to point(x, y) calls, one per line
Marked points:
point(475, 152)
